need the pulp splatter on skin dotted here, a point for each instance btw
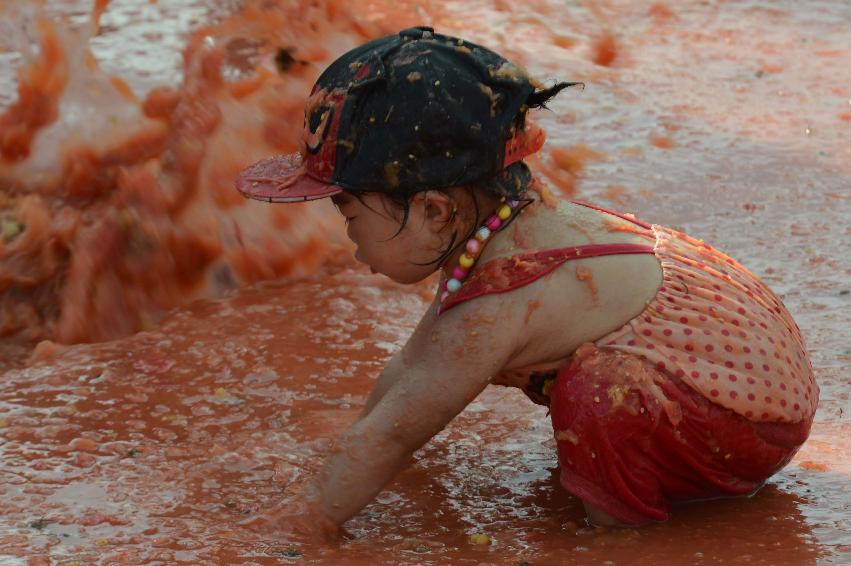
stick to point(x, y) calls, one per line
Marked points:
point(543, 191)
point(475, 320)
point(621, 226)
point(518, 237)
point(582, 229)
point(584, 274)
point(531, 307)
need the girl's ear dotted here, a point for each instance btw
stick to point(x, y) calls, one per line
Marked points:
point(439, 208)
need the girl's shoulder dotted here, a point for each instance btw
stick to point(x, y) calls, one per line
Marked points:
point(543, 238)
point(549, 266)
point(546, 225)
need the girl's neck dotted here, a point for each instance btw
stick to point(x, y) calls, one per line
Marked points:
point(470, 231)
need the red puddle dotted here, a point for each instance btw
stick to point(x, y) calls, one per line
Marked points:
point(723, 120)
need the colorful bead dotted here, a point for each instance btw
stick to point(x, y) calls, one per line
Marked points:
point(474, 246)
point(493, 222)
point(459, 272)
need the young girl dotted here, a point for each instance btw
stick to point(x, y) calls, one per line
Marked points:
point(671, 372)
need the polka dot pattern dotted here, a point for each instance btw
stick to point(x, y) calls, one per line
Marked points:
point(717, 327)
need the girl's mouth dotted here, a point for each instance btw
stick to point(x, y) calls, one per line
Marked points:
point(359, 259)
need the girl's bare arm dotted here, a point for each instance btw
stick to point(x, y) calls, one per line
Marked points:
point(443, 367)
point(394, 368)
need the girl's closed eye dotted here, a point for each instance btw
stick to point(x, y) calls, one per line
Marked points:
point(339, 202)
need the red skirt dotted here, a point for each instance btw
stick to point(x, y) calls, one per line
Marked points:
point(632, 439)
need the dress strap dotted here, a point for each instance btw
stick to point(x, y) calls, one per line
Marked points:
point(627, 217)
point(508, 273)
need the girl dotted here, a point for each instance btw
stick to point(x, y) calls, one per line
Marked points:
point(671, 372)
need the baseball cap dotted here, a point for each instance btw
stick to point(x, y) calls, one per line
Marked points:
point(404, 113)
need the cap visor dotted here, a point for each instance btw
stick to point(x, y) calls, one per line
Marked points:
point(530, 140)
point(282, 179)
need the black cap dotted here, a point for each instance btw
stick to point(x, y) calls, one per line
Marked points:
point(408, 112)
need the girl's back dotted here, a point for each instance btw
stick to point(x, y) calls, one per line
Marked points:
point(582, 299)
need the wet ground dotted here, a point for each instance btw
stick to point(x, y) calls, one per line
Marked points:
point(730, 121)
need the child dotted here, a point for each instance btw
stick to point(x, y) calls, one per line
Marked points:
point(671, 372)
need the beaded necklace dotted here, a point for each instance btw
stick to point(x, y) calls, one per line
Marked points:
point(474, 246)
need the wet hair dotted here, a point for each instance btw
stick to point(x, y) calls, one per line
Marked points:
point(539, 98)
point(510, 183)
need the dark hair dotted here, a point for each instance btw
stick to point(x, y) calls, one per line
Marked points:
point(539, 98)
point(510, 183)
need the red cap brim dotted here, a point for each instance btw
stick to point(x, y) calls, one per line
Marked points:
point(282, 179)
point(526, 142)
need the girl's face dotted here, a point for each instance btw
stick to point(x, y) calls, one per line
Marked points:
point(373, 224)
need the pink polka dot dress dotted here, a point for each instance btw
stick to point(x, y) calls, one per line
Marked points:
point(718, 328)
point(706, 393)
point(713, 324)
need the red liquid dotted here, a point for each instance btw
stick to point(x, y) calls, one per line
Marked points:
point(155, 445)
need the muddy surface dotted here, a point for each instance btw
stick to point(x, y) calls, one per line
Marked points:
point(728, 120)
